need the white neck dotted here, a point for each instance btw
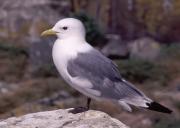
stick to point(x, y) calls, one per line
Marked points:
point(66, 49)
point(71, 46)
point(72, 40)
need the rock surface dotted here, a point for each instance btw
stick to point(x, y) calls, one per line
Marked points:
point(115, 49)
point(63, 119)
point(144, 48)
point(24, 20)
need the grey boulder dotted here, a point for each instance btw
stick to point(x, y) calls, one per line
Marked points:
point(63, 119)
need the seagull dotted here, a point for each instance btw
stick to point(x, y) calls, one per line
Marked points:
point(90, 72)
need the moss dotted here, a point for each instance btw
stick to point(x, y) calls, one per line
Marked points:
point(168, 124)
point(32, 90)
point(141, 71)
point(13, 50)
point(13, 62)
point(94, 35)
point(171, 51)
point(45, 70)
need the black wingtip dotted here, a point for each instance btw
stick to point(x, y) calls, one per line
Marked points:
point(158, 107)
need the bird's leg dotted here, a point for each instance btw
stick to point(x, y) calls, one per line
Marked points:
point(81, 109)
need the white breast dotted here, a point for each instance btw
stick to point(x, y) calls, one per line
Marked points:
point(63, 51)
point(61, 54)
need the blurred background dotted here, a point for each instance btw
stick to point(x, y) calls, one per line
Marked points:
point(141, 36)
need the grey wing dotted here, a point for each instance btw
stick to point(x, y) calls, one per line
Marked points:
point(103, 75)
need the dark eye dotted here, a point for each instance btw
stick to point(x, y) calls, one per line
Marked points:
point(65, 28)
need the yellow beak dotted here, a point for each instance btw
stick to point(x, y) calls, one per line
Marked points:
point(48, 32)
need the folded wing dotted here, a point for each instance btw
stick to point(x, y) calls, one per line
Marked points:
point(105, 78)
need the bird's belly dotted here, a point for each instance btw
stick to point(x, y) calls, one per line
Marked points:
point(86, 90)
point(61, 58)
point(60, 62)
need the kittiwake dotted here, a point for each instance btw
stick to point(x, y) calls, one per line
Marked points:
point(90, 72)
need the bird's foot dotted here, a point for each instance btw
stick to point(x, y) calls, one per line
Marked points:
point(78, 110)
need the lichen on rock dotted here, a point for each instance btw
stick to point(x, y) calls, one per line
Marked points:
point(63, 119)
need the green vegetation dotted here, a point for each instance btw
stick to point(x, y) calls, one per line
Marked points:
point(171, 51)
point(140, 70)
point(93, 33)
point(177, 104)
point(45, 70)
point(13, 62)
point(13, 50)
point(168, 124)
point(159, 71)
point(32, 90)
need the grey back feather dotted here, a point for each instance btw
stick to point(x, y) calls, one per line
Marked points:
point(103, 74)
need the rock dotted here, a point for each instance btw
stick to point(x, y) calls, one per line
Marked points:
point(7, 87)
point(115, 48)
point(24, 20)
point(144, 48)
point(62, 119)
point(58, 96)
point(40, 52)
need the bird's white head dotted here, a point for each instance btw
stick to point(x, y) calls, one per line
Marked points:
point(67, 28)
